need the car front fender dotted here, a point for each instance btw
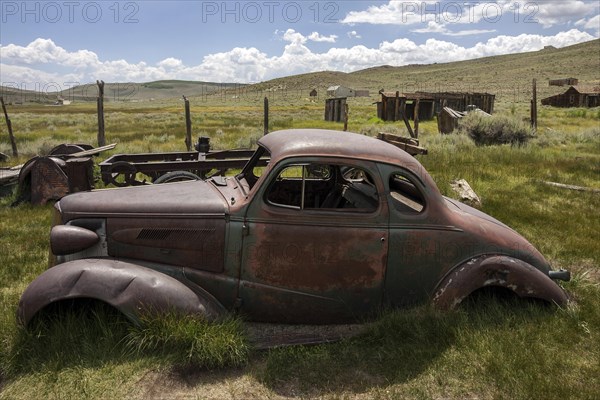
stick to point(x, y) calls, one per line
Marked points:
point(500, 271)
point(132, 289)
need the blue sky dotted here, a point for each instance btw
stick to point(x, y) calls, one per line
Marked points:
point(249, 41)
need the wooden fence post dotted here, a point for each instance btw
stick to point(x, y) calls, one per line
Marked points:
point(266, 116)
point(345, 117)
point(100, 103)
point(188, 125)
point(534, 106)
point(13, 143)
point(416, 118)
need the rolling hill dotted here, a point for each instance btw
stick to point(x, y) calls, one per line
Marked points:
point(508, 76)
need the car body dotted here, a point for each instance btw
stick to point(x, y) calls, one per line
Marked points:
point(335, 228)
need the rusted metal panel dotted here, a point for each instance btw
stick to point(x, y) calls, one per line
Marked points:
point(193, 243)
point(133, 289)
point(48, 181)
point(66, 239)
point(498, 271)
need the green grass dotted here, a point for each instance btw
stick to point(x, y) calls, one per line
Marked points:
point(500, 350)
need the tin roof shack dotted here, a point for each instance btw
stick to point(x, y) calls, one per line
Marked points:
point(430, 104)
point(340, 91)
point(575, 96)
point(563, 82)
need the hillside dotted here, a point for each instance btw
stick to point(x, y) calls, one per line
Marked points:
point(507, 76)
point(118, 91)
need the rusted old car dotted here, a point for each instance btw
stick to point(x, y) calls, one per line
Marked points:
point(336, 227)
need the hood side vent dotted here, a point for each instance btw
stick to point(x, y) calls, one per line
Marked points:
point(174, 234)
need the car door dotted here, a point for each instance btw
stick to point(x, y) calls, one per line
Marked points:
point(315, 245)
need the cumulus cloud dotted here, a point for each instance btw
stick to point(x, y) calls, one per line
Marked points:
point(545, 12)
point(243, 65)
point(592, 24)
point(297, 38)
point(170, 63)
point(317, 37)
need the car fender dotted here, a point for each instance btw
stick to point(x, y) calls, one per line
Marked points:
point(501, 271)
point(132, 289)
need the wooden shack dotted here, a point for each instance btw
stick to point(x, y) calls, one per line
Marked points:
point(430, 104)
point(334, 109)
point(394, 104)
point(313, 93)
point(575, 96)
point(340, 91)
point(563, 82)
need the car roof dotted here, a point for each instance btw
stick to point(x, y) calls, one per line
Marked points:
point(329, 143)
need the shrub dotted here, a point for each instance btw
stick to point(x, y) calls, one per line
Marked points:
point(485, 130)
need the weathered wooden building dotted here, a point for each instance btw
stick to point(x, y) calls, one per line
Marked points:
point(313, 93)
point(335, 109)
point(430, 104)
point(340, 91)
point(575, 96)
point(563, 82)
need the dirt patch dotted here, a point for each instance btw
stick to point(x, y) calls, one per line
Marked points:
point(267, 336)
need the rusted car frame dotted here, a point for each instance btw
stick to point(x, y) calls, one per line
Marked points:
point(334, 227)
point(139, 169)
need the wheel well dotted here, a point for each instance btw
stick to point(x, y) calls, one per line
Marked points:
point(79, 308)
point(488, 295)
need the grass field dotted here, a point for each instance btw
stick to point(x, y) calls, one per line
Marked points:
point(491, 348)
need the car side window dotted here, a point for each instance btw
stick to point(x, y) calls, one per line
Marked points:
point(406, 195)
point(323, 187)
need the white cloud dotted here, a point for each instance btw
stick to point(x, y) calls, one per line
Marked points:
point(45, 51)
point(296, 38)
point(170, 63)
point(545, 12)
point(434, 27)
point(354, 35)
point(317, 37)
point(592, 24)
point(21, 64)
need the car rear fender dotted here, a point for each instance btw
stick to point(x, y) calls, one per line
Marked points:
point(496, 271)
point(132, 289)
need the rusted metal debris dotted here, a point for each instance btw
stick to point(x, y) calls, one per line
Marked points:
point(144, 168)
point(67, 169)
point(9, 178)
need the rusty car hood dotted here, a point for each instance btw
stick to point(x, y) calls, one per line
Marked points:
point(494, 237)
point(178, 199)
